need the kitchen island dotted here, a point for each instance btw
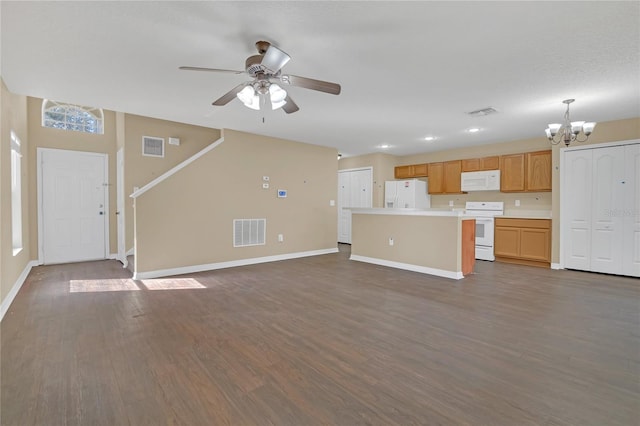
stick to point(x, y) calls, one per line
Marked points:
point(436, 242)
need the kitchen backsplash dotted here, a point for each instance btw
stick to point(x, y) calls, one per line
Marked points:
point(528, 200)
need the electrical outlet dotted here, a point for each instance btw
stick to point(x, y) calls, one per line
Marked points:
point(332, 203)
point(450, 203)
point(517, 203)
point(265, 186)
point(390, 241)
point(280, 238)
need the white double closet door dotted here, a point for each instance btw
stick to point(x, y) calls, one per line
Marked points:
point(600, 205)
point(354, 190)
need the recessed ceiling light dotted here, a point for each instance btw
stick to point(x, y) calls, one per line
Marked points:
point(429, 138)
point(385, 146)
point(473, 130)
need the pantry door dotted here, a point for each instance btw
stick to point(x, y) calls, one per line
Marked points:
point(73, 205)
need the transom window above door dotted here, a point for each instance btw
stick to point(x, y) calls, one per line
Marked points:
point(77, 118)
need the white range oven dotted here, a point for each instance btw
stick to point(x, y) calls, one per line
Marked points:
point(484, 213)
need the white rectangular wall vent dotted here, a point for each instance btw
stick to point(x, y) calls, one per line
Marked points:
point(152, 147)
point(249, 232)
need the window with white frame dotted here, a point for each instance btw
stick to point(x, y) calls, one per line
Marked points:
point(78, 118)
point(16, 194)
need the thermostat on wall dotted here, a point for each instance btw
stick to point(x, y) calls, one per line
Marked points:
point(282, 193)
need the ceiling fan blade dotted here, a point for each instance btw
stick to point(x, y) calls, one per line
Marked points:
point(274, 59)
point(229, 96)
point(210, 70)
point(310, 83)
point(290, 106)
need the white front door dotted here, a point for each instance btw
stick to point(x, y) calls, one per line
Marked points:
point(74, 209)
point(122, 255)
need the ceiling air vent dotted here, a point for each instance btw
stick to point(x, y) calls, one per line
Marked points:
point(152, 147)
point(482, 112)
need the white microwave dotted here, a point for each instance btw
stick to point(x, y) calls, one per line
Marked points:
point(488, 180)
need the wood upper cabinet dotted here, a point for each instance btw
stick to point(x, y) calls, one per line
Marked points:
point(436, 178)
point(411, 171)
point(452, 179)
point(523, 241)
point(539, 171)
point(512, 173)
point(529, 171)
point(478, 164)
point(444, 178)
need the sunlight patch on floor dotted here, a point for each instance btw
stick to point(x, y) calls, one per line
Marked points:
point(92, 286)
point(172, 284)
point(127, 284)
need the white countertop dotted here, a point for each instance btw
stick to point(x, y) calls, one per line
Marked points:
point(411, 212)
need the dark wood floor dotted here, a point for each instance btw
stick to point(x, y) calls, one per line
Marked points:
point(321, 340)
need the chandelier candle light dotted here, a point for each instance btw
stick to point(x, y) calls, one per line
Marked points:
point(569, 131)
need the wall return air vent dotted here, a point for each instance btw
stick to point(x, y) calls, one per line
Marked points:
point(152, 147)
point(249, 232)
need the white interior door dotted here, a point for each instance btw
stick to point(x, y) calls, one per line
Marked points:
point(122, 255)
point(577, 199)
point(600, 205)
point(631, 213)
point(354, 190)
point(608, 198)
point(344, 214)
point(74, 205)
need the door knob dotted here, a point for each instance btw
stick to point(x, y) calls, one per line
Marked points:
point(101, 213)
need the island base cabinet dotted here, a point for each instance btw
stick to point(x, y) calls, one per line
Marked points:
point(523, 241)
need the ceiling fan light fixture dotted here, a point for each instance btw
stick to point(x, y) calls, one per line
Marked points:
point(249, 97)
point(278, 96)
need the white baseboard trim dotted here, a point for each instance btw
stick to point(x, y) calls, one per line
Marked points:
point(229, 264)
point(6, 303)
point(130, 252)
point(556, 266)
point(409, 267)
point(113, 256)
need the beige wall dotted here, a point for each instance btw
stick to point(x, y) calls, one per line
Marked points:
point(429, 241)
point(45, 137)
point(382, 165)
point(139, 169)
point(14, 117)
point(187, 219)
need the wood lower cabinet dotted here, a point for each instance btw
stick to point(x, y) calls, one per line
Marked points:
point(411, 171)
point(523, 241)
point(480, 164)
point(530, 171)
point(444, 178)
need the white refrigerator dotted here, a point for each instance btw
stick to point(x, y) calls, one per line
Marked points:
point(406, 194)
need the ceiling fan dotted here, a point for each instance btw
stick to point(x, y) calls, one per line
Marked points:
point(266, 70)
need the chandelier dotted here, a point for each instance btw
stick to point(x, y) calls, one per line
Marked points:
point(569, 131)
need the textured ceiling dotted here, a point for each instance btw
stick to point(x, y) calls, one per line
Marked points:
point(407, 69)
